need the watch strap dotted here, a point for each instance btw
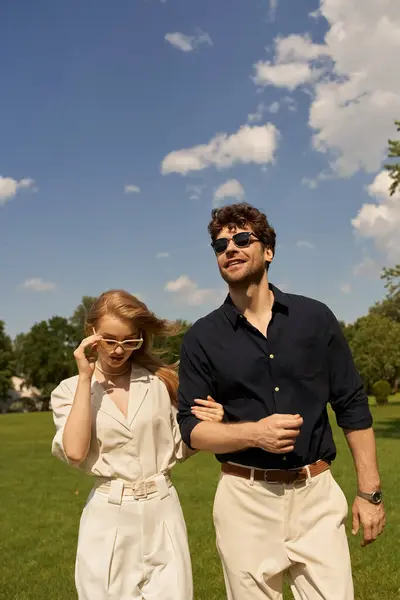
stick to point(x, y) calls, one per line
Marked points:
point(370, 496)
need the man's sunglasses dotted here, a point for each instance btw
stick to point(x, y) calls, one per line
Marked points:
point(126, 345)
point(241, 240)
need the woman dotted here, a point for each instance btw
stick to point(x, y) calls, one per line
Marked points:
point(116, 420)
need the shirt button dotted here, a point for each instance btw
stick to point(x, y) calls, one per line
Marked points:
point(284, 458)
point(277, 389)
point(271, 356)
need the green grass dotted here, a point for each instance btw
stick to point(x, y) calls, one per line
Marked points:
point(41, 500)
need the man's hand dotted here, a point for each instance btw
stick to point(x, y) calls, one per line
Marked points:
point(371, 517)
point(277, 433)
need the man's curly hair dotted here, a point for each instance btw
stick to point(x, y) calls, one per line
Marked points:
point(242, 215)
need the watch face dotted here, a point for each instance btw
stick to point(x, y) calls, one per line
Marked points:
point(376, 497)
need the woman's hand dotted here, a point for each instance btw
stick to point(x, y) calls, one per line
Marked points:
point(208, 410)
point(85, 364)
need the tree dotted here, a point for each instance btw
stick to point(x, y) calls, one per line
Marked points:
point(44, 356)
point(78, 319)
point(392, 278)
point(374, 342)
point(394, 168)
point(18, 351)
point(348, 330)
point(381, 390)
point(6, 362)
point(389, 306)
point(169, 347)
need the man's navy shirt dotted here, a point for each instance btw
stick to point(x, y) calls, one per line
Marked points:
point(303, 364)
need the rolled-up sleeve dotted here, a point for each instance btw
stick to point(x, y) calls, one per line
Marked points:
point(195, 381)
point(61, 402)
point(348, 397)
point(182, 451)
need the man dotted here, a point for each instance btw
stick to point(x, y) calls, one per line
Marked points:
point(275, 360)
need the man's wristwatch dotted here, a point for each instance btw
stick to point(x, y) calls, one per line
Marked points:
point(374, 497)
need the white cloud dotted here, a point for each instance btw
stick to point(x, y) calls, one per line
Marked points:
point(353, 114)
point(288, 76)
point(315, 14)
point(293, 63)
point(190, 293)
point(187, 43)
point(9, 187)
point(26, 183)
point(379, 188)
point(36, 284)
point(290, 103)
point(258, 114)
point(313, 182)
point(132, 189)
point(162, 255)
point(195, 191)
point(345, 288)
point(274, 107)
point(305, 244)
point(230, 189)
point(248, 145)
point(381, 221)
point(355, 85)
point(297, 49)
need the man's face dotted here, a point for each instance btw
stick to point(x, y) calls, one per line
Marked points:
point(243, 262)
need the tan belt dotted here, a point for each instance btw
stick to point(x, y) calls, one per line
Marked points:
point(276, 475)
point(140, 489)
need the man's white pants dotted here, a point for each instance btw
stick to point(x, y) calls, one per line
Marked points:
point(265, 529)
point(132, 549)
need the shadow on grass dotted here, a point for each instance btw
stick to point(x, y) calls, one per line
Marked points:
point(387, 429)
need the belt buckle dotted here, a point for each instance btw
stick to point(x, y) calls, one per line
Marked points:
point(265, 476)
point(140, 490)
point(290, 477)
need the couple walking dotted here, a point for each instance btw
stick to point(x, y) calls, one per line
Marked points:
point(255, 378)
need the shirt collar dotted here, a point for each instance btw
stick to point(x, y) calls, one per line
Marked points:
point(281, 304)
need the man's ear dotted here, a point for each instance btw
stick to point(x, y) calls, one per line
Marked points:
point(268, 255)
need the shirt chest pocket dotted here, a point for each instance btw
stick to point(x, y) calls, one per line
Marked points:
point(306, 358)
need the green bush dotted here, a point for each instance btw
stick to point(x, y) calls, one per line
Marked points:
point(16, 406)
point(381, 390)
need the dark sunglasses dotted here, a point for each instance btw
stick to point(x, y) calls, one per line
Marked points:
point(241, 240)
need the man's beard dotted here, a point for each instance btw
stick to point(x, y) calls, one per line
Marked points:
point(250, 278)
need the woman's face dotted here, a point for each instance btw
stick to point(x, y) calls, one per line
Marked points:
point(120, 340)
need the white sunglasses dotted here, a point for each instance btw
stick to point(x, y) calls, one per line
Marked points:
point(111, 345)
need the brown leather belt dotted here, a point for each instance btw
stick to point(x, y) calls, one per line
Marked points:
point(276, 475)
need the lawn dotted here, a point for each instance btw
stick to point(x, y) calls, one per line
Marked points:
point(41, 500)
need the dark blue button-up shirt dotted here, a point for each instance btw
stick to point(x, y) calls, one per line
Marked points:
point(301, 365)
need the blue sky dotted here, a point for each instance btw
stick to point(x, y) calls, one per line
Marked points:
point(98, 95)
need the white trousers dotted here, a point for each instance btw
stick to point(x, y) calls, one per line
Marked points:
point(130, 549)
point(265, 529)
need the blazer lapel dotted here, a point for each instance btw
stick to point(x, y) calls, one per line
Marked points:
point(103, 402)
point(140, 382)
